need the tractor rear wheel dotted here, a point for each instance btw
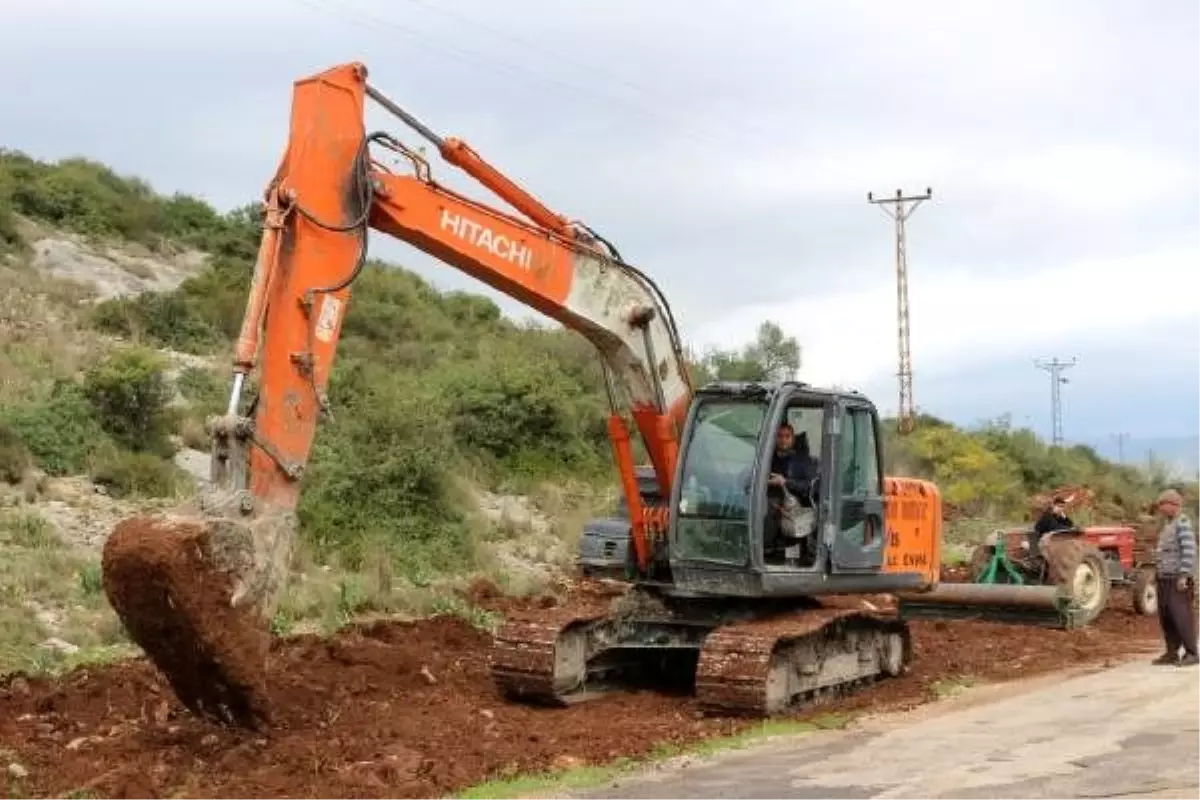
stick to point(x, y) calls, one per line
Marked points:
point(1145, 592)
point(1079, 568)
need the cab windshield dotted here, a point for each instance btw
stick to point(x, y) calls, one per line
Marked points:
point(714, 505)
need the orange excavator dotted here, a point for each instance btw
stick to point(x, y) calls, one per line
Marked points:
point(763, 613)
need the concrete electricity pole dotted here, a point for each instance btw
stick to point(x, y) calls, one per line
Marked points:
point(1055, 368)
point(900, 208)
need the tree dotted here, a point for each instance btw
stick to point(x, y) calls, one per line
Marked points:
point(772, 356)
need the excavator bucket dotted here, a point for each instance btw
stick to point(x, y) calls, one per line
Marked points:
point(196, 593)
point(1045, 606)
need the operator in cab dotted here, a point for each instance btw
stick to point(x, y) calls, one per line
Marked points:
point(792, 466)
point(794, 470)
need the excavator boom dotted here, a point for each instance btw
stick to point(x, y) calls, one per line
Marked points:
point(328, 192)
point(195, 591)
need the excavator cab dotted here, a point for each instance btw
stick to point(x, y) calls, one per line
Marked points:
point(726, 535)
point(728, 521)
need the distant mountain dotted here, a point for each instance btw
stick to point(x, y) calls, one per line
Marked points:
point(1181, 454)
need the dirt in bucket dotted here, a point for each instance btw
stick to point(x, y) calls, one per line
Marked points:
point(174, 599)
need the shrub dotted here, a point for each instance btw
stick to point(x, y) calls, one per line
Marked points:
point(15, 459)
point(125, 473)
point(525, 414)
point(202, 389)
point(10, 236)
point(382, 475)
point(60, 431)
point(129, 392)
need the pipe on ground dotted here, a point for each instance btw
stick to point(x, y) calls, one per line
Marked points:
point(987, 595)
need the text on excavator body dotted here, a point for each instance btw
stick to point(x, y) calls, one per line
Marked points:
point(483, 237)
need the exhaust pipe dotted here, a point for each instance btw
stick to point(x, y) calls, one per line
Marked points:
point(1045, 606)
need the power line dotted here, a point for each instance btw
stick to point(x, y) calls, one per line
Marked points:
point(373, 22)
point(659, 97)
point(900, 208)
point(1056, 369)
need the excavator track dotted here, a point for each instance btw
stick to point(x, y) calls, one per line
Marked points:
point(543, 661)
point(758, 666)
point(763, 667)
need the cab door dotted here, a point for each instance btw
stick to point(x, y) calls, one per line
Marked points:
point(857, 490)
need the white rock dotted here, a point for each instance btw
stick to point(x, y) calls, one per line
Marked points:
point(59, 645)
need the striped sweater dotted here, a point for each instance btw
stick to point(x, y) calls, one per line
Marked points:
point(1176, 548)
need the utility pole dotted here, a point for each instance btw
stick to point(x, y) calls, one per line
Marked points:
point(1055, 368)
point(1121, 439)
point(900, 208)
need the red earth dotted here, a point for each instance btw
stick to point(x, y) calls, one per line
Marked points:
point(407, 709)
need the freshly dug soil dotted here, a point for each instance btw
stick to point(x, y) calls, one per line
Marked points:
point(159, 577)
point(407, 709)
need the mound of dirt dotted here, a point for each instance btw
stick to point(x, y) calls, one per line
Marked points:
point(408, 709)
point(159, 578)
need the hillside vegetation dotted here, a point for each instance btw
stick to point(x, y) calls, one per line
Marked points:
point(435, 395)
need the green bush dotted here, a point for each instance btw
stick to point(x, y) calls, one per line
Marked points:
point(383, 475)
point(129, 392)
point(523, 414)
point(10, 236)
point(60, 431)
point(125, 473)
point(995, 469)
point(15, 459)
point(201, 386)
point(81, 195)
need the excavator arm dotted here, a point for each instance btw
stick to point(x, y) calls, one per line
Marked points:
point(327, 193)
point(196, 591)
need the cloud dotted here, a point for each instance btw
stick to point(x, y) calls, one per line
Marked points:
point(727, 152)
point(959, 319)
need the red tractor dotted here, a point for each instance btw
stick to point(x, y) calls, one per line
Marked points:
point(1092, 559)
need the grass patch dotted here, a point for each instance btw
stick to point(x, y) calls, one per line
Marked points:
point(27, 530)
point(325, 599)
point(48, 590)
point(555, 783)
point(951, 687)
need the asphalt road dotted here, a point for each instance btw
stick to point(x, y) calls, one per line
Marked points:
point(1132, 730)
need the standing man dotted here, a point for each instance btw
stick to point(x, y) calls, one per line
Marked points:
point(1176, 582)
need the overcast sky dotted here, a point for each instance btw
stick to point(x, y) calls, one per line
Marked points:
point(727, 149)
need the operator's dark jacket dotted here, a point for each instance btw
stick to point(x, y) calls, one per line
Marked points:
point(1050, 522)
point(798, 468)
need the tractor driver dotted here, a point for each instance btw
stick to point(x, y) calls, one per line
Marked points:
point(1054, 518)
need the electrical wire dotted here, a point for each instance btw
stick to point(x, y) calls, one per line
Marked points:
point(659, 97)
point(372, 22)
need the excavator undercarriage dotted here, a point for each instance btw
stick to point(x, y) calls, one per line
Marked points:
point(744, 657)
